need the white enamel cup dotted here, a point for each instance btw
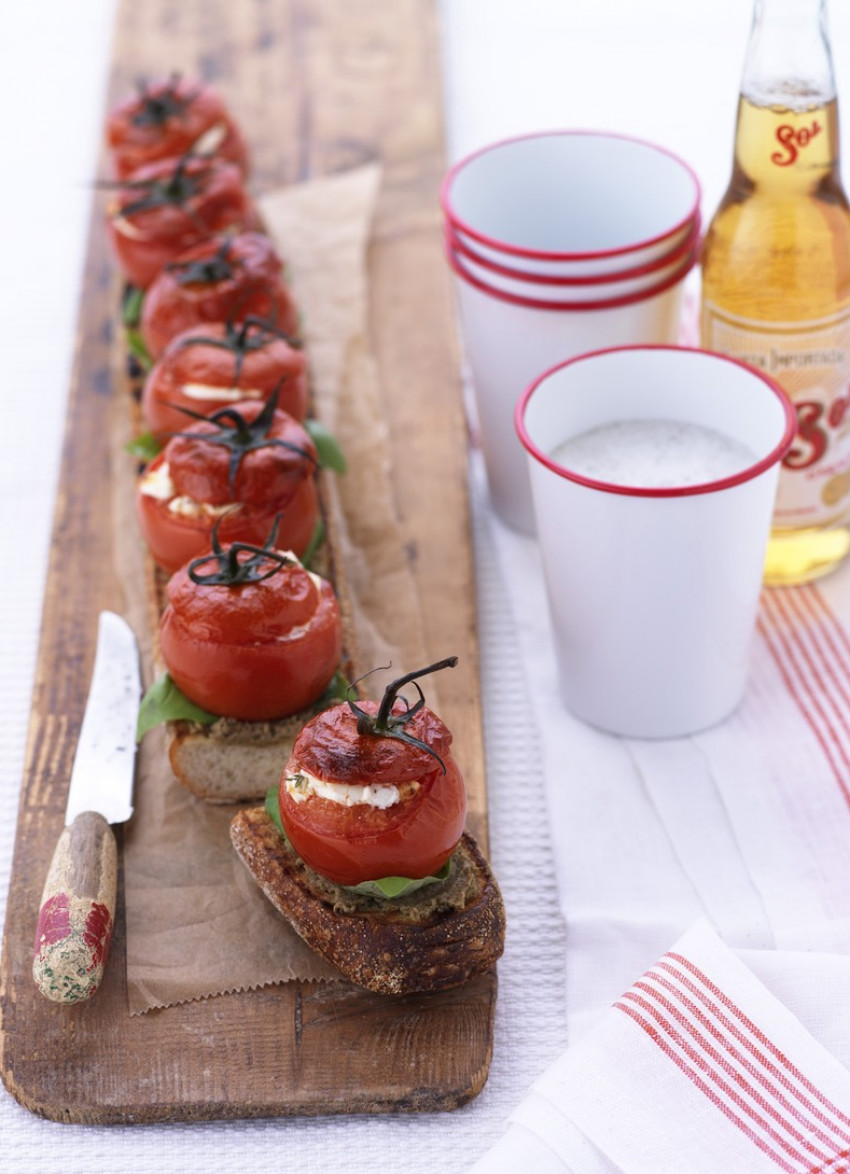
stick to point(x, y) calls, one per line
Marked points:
point(508, 341)
point(653, 593)
point(571, 203)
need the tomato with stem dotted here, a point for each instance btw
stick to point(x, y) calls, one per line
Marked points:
point(372, 790)
point(214, 366)
point(169, 117)
point(239, 467)
point(249, 633)
point(166, 207)
point(221, 278)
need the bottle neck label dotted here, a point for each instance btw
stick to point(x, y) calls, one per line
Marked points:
point(792, 140)
point(782, 148)
point(811, 362)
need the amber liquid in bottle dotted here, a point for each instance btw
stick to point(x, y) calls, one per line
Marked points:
point(776, 293)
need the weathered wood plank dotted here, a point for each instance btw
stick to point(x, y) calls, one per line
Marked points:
point(319, 86)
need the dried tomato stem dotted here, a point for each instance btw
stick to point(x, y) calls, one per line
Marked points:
point(241, 436)
point(231, 568)
point(206, 270)
point(385, 723)
point(157, 109)
point(388, 700)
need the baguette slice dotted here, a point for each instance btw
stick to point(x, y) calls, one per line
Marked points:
point(232, 761)
point(432, 940)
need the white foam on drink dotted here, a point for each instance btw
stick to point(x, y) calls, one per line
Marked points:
point(653, 454)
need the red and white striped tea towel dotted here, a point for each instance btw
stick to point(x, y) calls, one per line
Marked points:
point(696, 1069)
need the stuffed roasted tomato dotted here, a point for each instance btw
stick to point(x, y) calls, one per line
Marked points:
point(166, 207)
point(214, 366)
point(170, 117)
point(221, 278)
point(372, 791)
point(240, 467)
point(249, 633)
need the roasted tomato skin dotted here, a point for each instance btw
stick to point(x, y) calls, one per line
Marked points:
point(186, 362)
point(145, 241)
point(197, 109)
point(332, 748)
point(254, 651)
point(268, 482)
point(251, 284)
point(350, 844)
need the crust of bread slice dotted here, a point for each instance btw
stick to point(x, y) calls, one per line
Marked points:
point(434, 939)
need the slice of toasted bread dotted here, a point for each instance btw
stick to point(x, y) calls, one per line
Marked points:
point(436, 938)
point(232, 761)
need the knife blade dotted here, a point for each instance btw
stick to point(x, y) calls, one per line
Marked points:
point(77, 910)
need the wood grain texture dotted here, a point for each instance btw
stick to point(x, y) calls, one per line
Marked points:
point(318, 86)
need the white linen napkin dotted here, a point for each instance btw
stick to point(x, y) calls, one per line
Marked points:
point(746, 825)
point(697, 1067)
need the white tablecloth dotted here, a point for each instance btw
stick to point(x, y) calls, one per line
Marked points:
point(661, 70)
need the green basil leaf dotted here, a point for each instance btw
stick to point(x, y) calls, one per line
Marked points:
point(131, 306)
point(337, 690)
point(393, 887)
point(316, 540)
point(388, 888)
point(164, 702)
point(138, 350)
point(145, 447)
point(273, 809)
point(329, 452)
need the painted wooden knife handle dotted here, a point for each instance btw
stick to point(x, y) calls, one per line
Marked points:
point(77, 911)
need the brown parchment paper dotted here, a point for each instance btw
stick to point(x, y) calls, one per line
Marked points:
point(197, 924)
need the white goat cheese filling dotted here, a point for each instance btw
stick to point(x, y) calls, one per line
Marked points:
point(205, 391)
point(301, 785)
point(157, 483)
point(210, 141)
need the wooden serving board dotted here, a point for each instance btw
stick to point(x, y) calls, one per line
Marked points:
point(319, 86)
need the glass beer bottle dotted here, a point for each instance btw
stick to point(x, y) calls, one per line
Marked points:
point(776, 274)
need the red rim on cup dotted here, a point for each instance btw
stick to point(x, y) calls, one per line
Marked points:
point(517, 249)
point(577, 307)
point(775, 455)
point(691, 243)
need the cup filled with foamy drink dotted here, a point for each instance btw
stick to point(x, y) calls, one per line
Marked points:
point(653, 474)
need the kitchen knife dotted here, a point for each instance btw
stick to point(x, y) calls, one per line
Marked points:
point(78, 903)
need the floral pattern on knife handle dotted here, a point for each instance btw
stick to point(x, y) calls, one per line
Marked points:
point(77, 911)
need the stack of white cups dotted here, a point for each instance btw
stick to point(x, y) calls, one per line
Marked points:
point(562, 242)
